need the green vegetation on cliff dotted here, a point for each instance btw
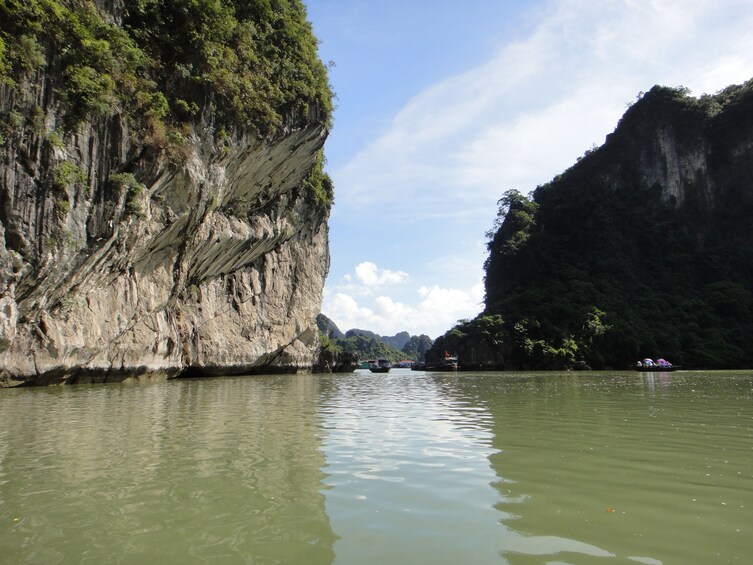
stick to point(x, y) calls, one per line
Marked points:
point(369, 345)
point(369, 348)
point(254, 61)
point(259, 56)
point(643, 248)
point(373, 347)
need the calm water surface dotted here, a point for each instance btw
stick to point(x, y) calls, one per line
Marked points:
point(407, 467)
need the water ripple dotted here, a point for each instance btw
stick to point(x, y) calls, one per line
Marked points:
point(405, 467)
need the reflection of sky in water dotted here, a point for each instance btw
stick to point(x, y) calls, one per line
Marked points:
point(408, 472)
point(409, 475)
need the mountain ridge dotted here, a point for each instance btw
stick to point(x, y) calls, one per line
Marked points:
point(355, 340)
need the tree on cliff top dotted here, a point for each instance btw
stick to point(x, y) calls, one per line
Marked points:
point(255, 61)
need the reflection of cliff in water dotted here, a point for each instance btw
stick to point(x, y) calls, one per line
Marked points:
point(193, 471)
point(528, 416)
point(539, 464)
point(619, 465)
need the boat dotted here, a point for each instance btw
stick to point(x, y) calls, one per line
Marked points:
point(446, 363)
point(658, 366)
point(449, 363)
point(380, 366)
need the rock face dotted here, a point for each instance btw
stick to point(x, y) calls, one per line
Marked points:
point(332, 362)
point(477, 354)
point(640, 249)
point(328, 327)
point(118, 261)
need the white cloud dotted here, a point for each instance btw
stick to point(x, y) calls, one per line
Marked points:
point(367, 278)
point(513, 151)
point(446, 306)
point(346, 313)
point(435, 312)
point(372, 276)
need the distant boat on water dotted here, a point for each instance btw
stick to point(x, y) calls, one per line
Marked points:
point(380, 365)
point(660, 365)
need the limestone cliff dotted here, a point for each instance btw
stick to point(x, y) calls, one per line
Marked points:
point(121, 257)
point(643, 248)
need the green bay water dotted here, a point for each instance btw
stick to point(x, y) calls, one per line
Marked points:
point(407, 467)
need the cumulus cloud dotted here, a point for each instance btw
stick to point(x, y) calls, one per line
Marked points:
point(437, 309)
point(368, 274)
point(367, 278)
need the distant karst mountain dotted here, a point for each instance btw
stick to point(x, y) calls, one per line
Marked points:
point(328, 327)
point(370, 345)
point(397, 341)
point(643, 248)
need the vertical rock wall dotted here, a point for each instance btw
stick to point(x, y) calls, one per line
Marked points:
point(210, 261)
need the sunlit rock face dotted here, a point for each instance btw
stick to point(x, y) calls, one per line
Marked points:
point(118, 260)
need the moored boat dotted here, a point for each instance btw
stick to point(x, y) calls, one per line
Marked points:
point(660, 365)
point(446, 363)
point(449, 364)
point(380, 366)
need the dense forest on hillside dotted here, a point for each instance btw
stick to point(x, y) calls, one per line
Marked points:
point(369, 345)
point(644, 247)
point(237, 66)
point(169, 58)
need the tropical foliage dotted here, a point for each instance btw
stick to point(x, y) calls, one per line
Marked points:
point(254, 61)
point(372, 347)
point(369, 348)
point(619, 258)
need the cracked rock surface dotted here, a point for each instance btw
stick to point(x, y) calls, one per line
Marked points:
point(214, 266)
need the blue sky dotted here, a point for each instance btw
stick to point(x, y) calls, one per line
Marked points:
point(443, 105)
